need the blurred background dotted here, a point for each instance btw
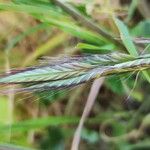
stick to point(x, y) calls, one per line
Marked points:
point(119, 119)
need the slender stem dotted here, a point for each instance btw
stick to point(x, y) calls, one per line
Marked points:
point(87, 109)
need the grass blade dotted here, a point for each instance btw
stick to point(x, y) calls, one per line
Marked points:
point(126, 38)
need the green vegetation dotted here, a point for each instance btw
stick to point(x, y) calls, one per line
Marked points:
point(58, 48)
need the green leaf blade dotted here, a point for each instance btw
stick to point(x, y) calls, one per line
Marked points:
point(125, 37)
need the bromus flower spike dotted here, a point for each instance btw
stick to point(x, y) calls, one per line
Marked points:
point(67, 72)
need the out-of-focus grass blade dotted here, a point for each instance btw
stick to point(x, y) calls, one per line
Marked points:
point(55, 18)
point(46, 47)
point(31, 9)
point(42, 3)
point(146, 75)
point(13, 147)
point(40, 122)
point(142, 29)
point(108, 47)
point(29, 31)
point(131, 10)
point(74, 30)
point(55, 121)
point(126, 38)
point(4, 112)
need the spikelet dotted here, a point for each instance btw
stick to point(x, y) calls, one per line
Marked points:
point(68, 72)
